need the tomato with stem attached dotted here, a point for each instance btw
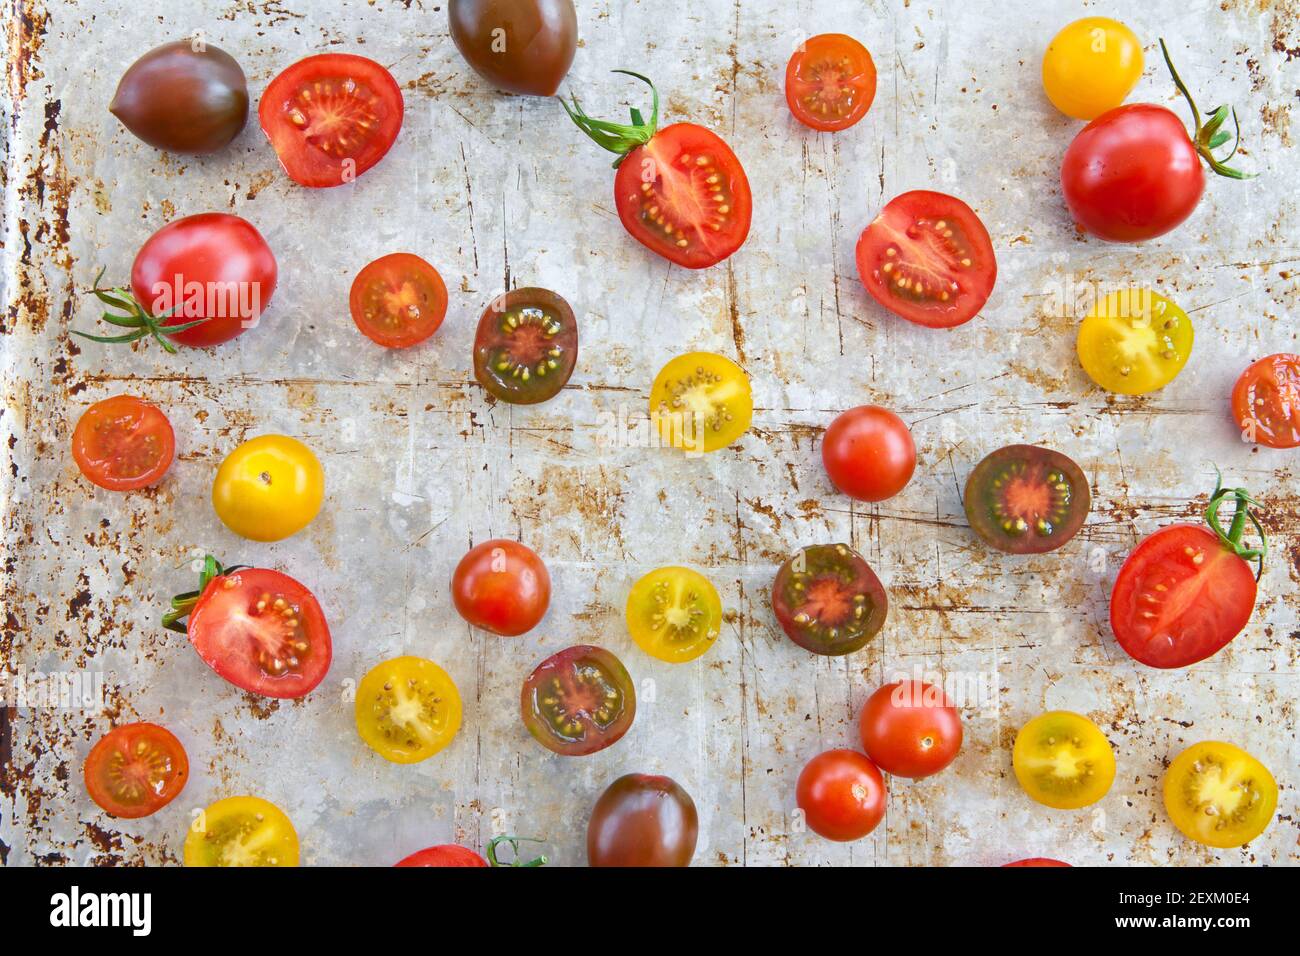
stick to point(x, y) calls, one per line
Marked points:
point(526, 346)
point(910, 729)
point(643, 820)
point(830, 82)
point(1063, 760)
point(701, 402)
point(869, 453)
point(241, 831)
point(451, 855)
point(501, 586)
point(1090, 66)
point(674, 614)
point(842, 795)
point(407, 709)
point(1219, 795)
point(1266, 401)
point(397, 301)
point(268, 488)
point(578, 701)
point(123, 443)
point(1024, 499)
point(136, 769)
point(828, 600)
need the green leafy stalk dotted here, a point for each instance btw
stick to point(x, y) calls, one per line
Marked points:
point(1241, 514)
point(132, 315)
point(620, 138)
point(514, 842)
point(183, 604)
point(1210, 136)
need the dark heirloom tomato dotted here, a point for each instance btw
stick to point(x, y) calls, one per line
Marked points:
point(1023, 499)
point(522, 46)
point(828, 599)
point(830, 82)
point(578, 701)
point(643, 820)
point(928, 258)
point(123, 443)
point(842, 795)
point(184, 96)
point(1266, 401)
point(501, 586)
point(910, 729)
point(526, 346)
point(136, 769)
point(331, 117)
point(398, 300)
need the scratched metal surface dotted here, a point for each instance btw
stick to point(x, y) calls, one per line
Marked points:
point(500, 191)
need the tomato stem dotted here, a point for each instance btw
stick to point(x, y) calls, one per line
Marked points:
point(136, 318)
point(617, 137)
point(1210, 136)
point(183, 604)
point(514, 842)
point(1241, 514)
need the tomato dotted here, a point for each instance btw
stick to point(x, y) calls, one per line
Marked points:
point(259, 629)
point(526, 346)
point(1090, 66)
point(136, 769)
point(1063, 760)
point(407, 709)
point(241, 831)
point(828, 600)
point(1036, 861)
point(1219, 795)
point(842, 795)
point(331, 117)
point(680, 191)
point(928, 258)
point(869, 453)
point(643, 820)
point(830, 82)
point(1134, 342)
point(268, 488)
point(578, 701)
point(446, 855)
point(501, 586)
point(1024, 499)
point(674, 614)
point(1266, 401)
point(701, 402)
point(123, 443)
point(910, 729)
point(522, 46)
point(398, 300)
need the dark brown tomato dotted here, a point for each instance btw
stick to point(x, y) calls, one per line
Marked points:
point(521, 46)
point(828, 599)
point(578, 701)
point(643, 820)
point(1024, 499)
point(526, 346)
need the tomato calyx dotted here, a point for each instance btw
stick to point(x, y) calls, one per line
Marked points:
point(620, 138)
point(517, 859)
point(183, 604)
point(1210, 135)
point(1231, 539)
point(136, 317)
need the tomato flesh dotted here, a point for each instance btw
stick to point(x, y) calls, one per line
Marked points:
point(407, 709)
point(1219, 795)
point(828, 600)
point(674, 614)
point(1024, 499)
point(830, 82)
point(1063, 760)
point(241, 831)
point(526, 346)
point(398, 300)
point(123, 443)
point(1266, 401)
point(701, 402)
point(578, 701)
point(136, 769)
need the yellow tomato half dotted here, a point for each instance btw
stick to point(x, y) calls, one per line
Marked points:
point(1134, 341)
point(407, 709)
point(1091, 66)
point(241, 831)
point(1063, 760)
point(701, 402)
point(1219, 795)
point(268, 488)
point(674, 614)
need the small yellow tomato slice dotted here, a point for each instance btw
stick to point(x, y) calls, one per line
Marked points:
point(268, 488)
point(674, 614)
point(1134, 341)
point(701, 402)
point(241, 831)
point(407, 709)
point(1219, 795)
point(1091, 66)
point(1063, 760)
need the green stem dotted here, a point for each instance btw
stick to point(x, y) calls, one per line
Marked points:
point(183, 604)
point(620, 138)
point(1242, 513)
point(514, 842)
point(1208, 137)
point(136, 317)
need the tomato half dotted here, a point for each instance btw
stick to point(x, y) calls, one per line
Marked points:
point(828, 600)
point(331, 117)
point(501, 586)
point(446, 855)
point(830, 82)
point(268, 488)
point(407, 709)
point(1090, 66)
point(701, 402)
point(910, 729)
point(928, 258)
point(674, 614)
point(578, 701)
point(643, 820)
point(1266, 401)
point(1024, 499)
point(842, 795)
point(398, 300)
point(136, 769)
point(1045, 861)
point(869, 453)
point(241, 831)
point(1219, 795)
point(1134, 341)
point(1063, 760)
point(123, 443)
point(526, 346)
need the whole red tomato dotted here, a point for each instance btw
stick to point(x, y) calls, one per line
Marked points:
point(501, 586)
point(910, 729)
point(448, 854)
point(869, 453)
point(842, 795)
point(1036, 861)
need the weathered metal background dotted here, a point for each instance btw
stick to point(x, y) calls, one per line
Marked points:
point(499, 191)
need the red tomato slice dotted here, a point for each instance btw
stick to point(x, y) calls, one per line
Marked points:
point(830, 82)
point(136, 769)
point(331, 117)
point(928, 258)
point(262, 631)
point(123, 443)
point(446, 855)
point(398, 300)
point(1266, 401)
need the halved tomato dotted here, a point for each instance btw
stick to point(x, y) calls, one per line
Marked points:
point(331, 117)
point(123, 443)
point(241, 831)
point(674, 614)
point(1134, 341)
point(136, 769)
point(928, 258)
point(827, 599)
point(407, 709)
point(526, 346)
point(830, 82)
point(578, 701)
point(1024, 499)
point(398, 300)
point(701, 402)
point(1219, 795)
point(1266, 401)
point(1063, 760)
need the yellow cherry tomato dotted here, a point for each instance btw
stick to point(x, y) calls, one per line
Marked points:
point(269, 488)
point(1090, 66)
point(241, 831)
point(1063, 760)
point(701, 402)
point(407, 709)
point(1219, 795)
point(674, 614)
point(1134, 341)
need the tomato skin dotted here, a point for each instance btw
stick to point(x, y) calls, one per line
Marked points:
point(643, 820)
point(522, 46)
point(910, 729)
point(1132, 174)
point(136, 769)
point(391, 285)
point(1036, 861)
point(842, 795)
point(268, 488)
point(830, 102)
point(446, 855)
point(869, 453)
point(1090, 66)
point(501, 586)
point(123, 443)
point(1266, 401)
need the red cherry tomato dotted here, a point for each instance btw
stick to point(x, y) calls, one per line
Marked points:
point(842, 795)
point(446, 855)
point(1036, 861)
point(123, 443)
point(501, 586)
point(136, 769)
point(1266, 401)
point(869, 453)
point(910, 729)
point(830, 82)
point(398, 300)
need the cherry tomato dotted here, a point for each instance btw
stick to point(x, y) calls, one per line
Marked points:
point(521, 46)
point(680, 191)
point(526, 346)
point(828, 600)
point(910, 729)
point(398, 300)
point(1024, 499)
point(643, 820)
point(578, 701)
point(241, 831)
point(830, 82)
point(674, 614)
point(869, 453)
point(1266, 401)
point(331, 117)
point(842, 795)
point(701, 402)
point(268, 488)
point(1090, 66)
point(123, 443)
point(1219, 795)
point(407, 709)
point(1063, 760)
point(136, 769)
point(928, 258)
point(1036, 861)
point(1134, 342)
point(501, 586)
point(447, 854)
